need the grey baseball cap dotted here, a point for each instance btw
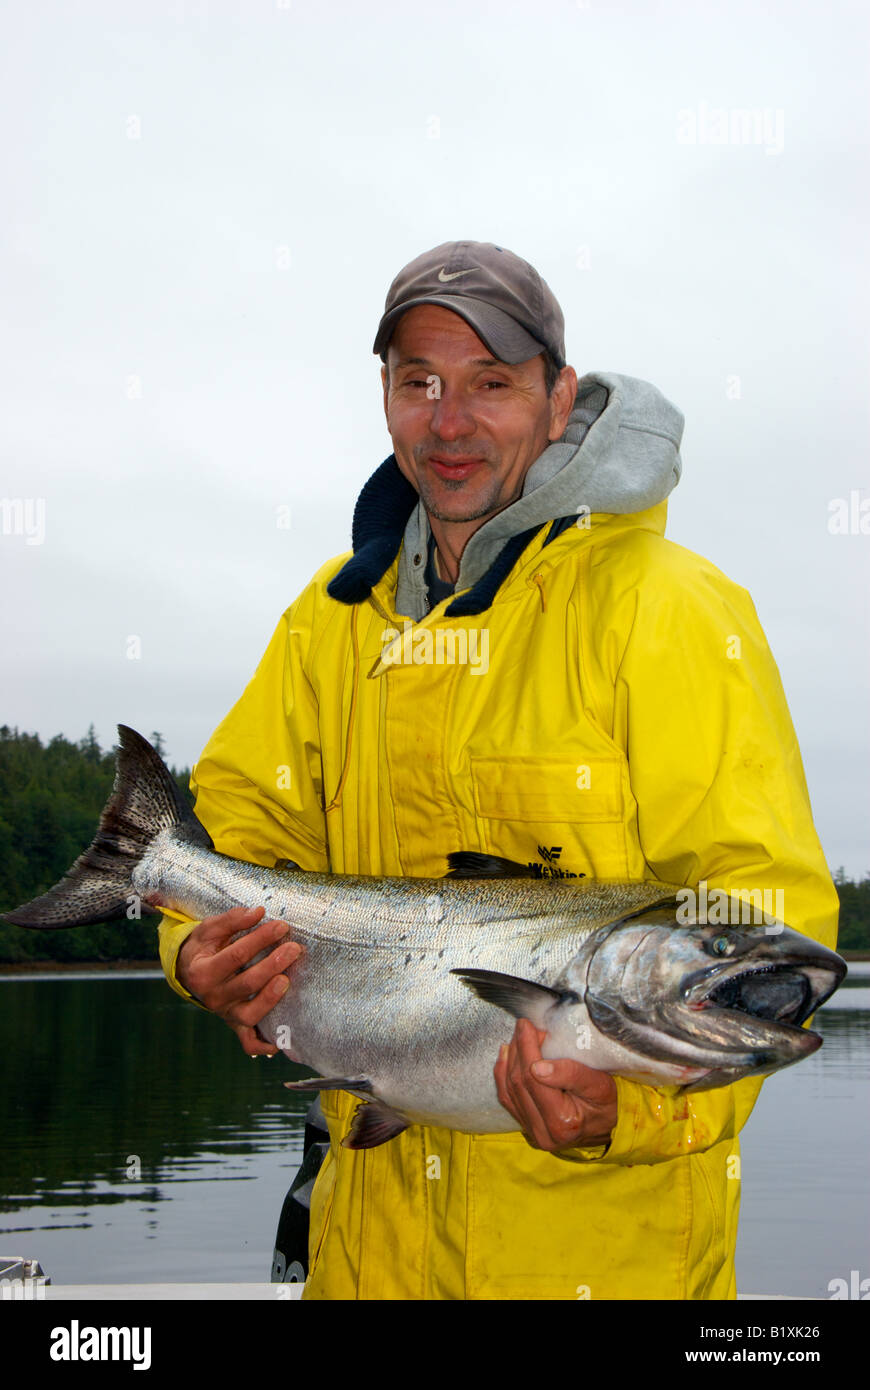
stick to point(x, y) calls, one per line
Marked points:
point(504, 299)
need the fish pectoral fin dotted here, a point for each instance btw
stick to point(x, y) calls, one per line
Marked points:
point(522, 998)
point(330, 1083)
point(373, 1124)
point(469, 863)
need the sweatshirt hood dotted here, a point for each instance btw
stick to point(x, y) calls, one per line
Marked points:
point(620, 453)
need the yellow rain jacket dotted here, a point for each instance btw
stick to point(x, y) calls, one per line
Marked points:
point(614, 711)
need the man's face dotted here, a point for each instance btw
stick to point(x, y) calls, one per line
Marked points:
point(465, 427)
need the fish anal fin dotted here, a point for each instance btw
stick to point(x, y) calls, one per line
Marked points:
point(374, 1123)
point(522, 998)
point(469, 863)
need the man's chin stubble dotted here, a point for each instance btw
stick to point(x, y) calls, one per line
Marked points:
point(458, 520)
point(489, 507)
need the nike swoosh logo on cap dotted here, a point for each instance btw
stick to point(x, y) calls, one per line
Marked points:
point(444, 277)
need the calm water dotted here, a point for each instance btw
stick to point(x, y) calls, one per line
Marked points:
point(138, 1143)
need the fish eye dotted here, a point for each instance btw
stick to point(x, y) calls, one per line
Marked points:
point(722, 946)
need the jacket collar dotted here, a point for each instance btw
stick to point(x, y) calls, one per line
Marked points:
point(382, 514)
point(379, 520)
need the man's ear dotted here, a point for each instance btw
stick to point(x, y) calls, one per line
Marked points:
point(562, 402)
point(386, 390)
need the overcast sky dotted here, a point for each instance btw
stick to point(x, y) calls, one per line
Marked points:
point(204, 206)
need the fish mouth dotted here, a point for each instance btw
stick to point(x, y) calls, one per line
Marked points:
point(733, 1017)
point(779, 994)
point(760, 1007)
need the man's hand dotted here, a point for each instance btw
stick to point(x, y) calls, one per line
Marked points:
point(558, 1105)
point(209, 965)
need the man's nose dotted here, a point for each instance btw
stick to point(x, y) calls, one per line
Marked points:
point(451, 416)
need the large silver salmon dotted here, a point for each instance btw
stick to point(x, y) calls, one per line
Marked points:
point(408, 986)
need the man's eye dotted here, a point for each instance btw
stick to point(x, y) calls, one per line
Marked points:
point(489, 384)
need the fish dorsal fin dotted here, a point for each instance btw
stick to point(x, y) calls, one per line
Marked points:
point(469, 863)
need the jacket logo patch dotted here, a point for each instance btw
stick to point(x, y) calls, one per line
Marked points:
point(550, 867)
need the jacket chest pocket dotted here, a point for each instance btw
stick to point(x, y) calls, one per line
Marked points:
point(563, 817)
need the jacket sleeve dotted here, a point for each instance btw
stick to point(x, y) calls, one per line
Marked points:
point(258, 783)
point(172, 932)
point(720, 796)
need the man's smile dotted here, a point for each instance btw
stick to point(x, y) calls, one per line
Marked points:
point(455, 469)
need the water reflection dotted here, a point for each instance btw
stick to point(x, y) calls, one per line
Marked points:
point(128, 1115)
point(805, 1206)
point(140, 1143)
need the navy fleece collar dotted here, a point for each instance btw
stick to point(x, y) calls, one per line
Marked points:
point(379, 520)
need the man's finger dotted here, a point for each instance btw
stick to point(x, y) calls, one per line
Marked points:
point(583, 1101)
point(597, 1086)
point(209, 969)
point(213, 933)
point(236, 955)
point(526, 1050)
point(250, 1011)
point(529, 1040)
point(562, 1114)
point(248, 984)
point(562, 1074)
point(554, 1111)
point(507, 1069)
point(254, 1045)
point(209, 939)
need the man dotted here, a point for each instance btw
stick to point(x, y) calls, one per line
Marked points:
point(627, 722)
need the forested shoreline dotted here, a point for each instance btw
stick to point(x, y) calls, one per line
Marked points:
point(51, 796)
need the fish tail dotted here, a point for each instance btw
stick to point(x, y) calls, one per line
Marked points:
point(145, 800)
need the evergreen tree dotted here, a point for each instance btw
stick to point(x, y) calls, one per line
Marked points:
point(51, 798)
point(89, 746)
